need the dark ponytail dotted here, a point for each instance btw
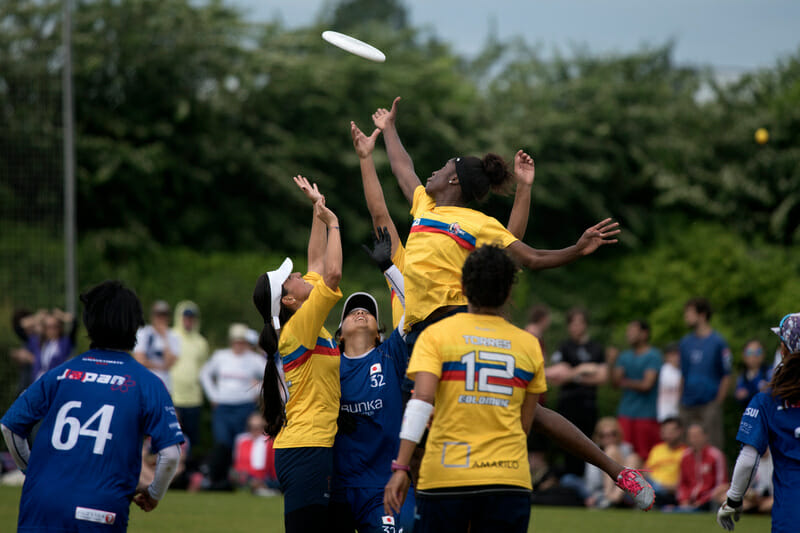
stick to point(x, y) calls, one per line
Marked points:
point(273, 404)
point(785, 382)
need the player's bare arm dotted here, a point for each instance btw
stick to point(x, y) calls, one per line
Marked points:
point(402, 164)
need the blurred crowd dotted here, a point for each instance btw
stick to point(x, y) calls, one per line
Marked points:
point(668, 421)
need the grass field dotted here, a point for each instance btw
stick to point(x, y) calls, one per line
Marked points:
point(241, 512)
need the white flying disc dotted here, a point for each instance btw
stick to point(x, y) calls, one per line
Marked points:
point(354, 46)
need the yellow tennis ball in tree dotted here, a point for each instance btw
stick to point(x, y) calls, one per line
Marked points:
point(762, 136)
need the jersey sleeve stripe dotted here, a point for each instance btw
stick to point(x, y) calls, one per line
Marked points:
point(461, 237)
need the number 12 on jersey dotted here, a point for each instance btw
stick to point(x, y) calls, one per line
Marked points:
point(486, 371)
point(75, 429)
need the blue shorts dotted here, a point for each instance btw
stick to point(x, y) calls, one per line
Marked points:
point(305, 476)
point(362, 509)
point(481, 511)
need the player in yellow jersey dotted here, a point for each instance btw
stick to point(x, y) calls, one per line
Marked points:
point(302, 407)
point(445, 231)
point(484, 375)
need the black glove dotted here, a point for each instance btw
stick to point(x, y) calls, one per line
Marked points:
point(381, 252)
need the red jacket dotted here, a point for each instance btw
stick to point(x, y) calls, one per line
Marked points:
point(700, 475)
point(245, 461)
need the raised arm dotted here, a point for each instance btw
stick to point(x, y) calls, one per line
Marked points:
point(591, 240)
point(332, 273)
point(524, 173)
point(318, 238)
point(402, 165)
point(373, 193)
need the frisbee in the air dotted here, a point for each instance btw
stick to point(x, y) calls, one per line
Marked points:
point(354, 46)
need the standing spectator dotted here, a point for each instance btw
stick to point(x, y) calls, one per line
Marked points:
point(79, 478)
point(538, 323)
point(254, 458)
point(49, 336)
point(663, 465)
point(756, 375)
point(158, 347)
point(187, 394)
point(669, 383)
point(21, 356)
point(704, 473)
point(706, 369)
point(578, 367)
point(636, 373)
point(232, 382)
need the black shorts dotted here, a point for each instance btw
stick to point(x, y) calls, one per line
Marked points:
point(305, 476)
point(477, 510)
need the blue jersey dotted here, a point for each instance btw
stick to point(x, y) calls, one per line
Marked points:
point(704, 362)
point(768, 421)
point(755, 385)
point(85, 461)
point(371, 392)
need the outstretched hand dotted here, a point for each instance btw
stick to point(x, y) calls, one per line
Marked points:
point(384, 118)
point(381, 252)
point(143, 499)
point(598, 235)
point(524, 168)
point(363, 144)
point(311, 191)
point(327, 216)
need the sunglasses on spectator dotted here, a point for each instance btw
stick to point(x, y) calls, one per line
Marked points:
point(753, 351)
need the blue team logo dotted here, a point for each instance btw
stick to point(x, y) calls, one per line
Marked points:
point(376, 376)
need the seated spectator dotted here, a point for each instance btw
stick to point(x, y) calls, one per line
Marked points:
point(669, 383)
point(597, 489)
point(704, 472)
point(663, 465)
point(756, 375)
point(254, 459)
point(49, 336)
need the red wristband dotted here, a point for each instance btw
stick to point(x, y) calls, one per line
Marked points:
point(397, 466)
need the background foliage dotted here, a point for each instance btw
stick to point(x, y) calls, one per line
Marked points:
point(191, 121)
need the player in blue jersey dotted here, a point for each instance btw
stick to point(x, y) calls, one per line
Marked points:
point(772, 419)
point(95, 409)
point(371, 373)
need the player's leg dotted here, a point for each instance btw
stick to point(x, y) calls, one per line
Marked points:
point(444, 514)
point(507, 512)
point(305, 478)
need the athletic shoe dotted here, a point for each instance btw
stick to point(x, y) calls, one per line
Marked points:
point(632, 482)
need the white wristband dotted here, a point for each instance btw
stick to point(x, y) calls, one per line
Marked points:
point(415, 419)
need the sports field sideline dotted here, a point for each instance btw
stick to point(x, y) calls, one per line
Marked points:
point(243, 513)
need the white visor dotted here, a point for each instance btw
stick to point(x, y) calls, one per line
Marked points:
point(276, 279)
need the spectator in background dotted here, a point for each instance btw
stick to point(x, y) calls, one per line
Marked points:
point(187, 394)
point(49, 336)
point(578, 367)
point(254, 459)
point(704, 472)
point(706, 369)
point(22, 357)
point(538, 323)
point(663, 465)
point(636, 373)
point(669, 383)
point(756, 375)
point(158, 347)
point(232, 382)
point(595, 488)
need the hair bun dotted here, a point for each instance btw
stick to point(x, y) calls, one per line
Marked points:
point(496, 170)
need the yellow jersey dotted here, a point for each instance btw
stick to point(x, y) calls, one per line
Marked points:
point(310, 360)
point(438, 243)
point(664, 464)
point(485, 367)
point(397, 306)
